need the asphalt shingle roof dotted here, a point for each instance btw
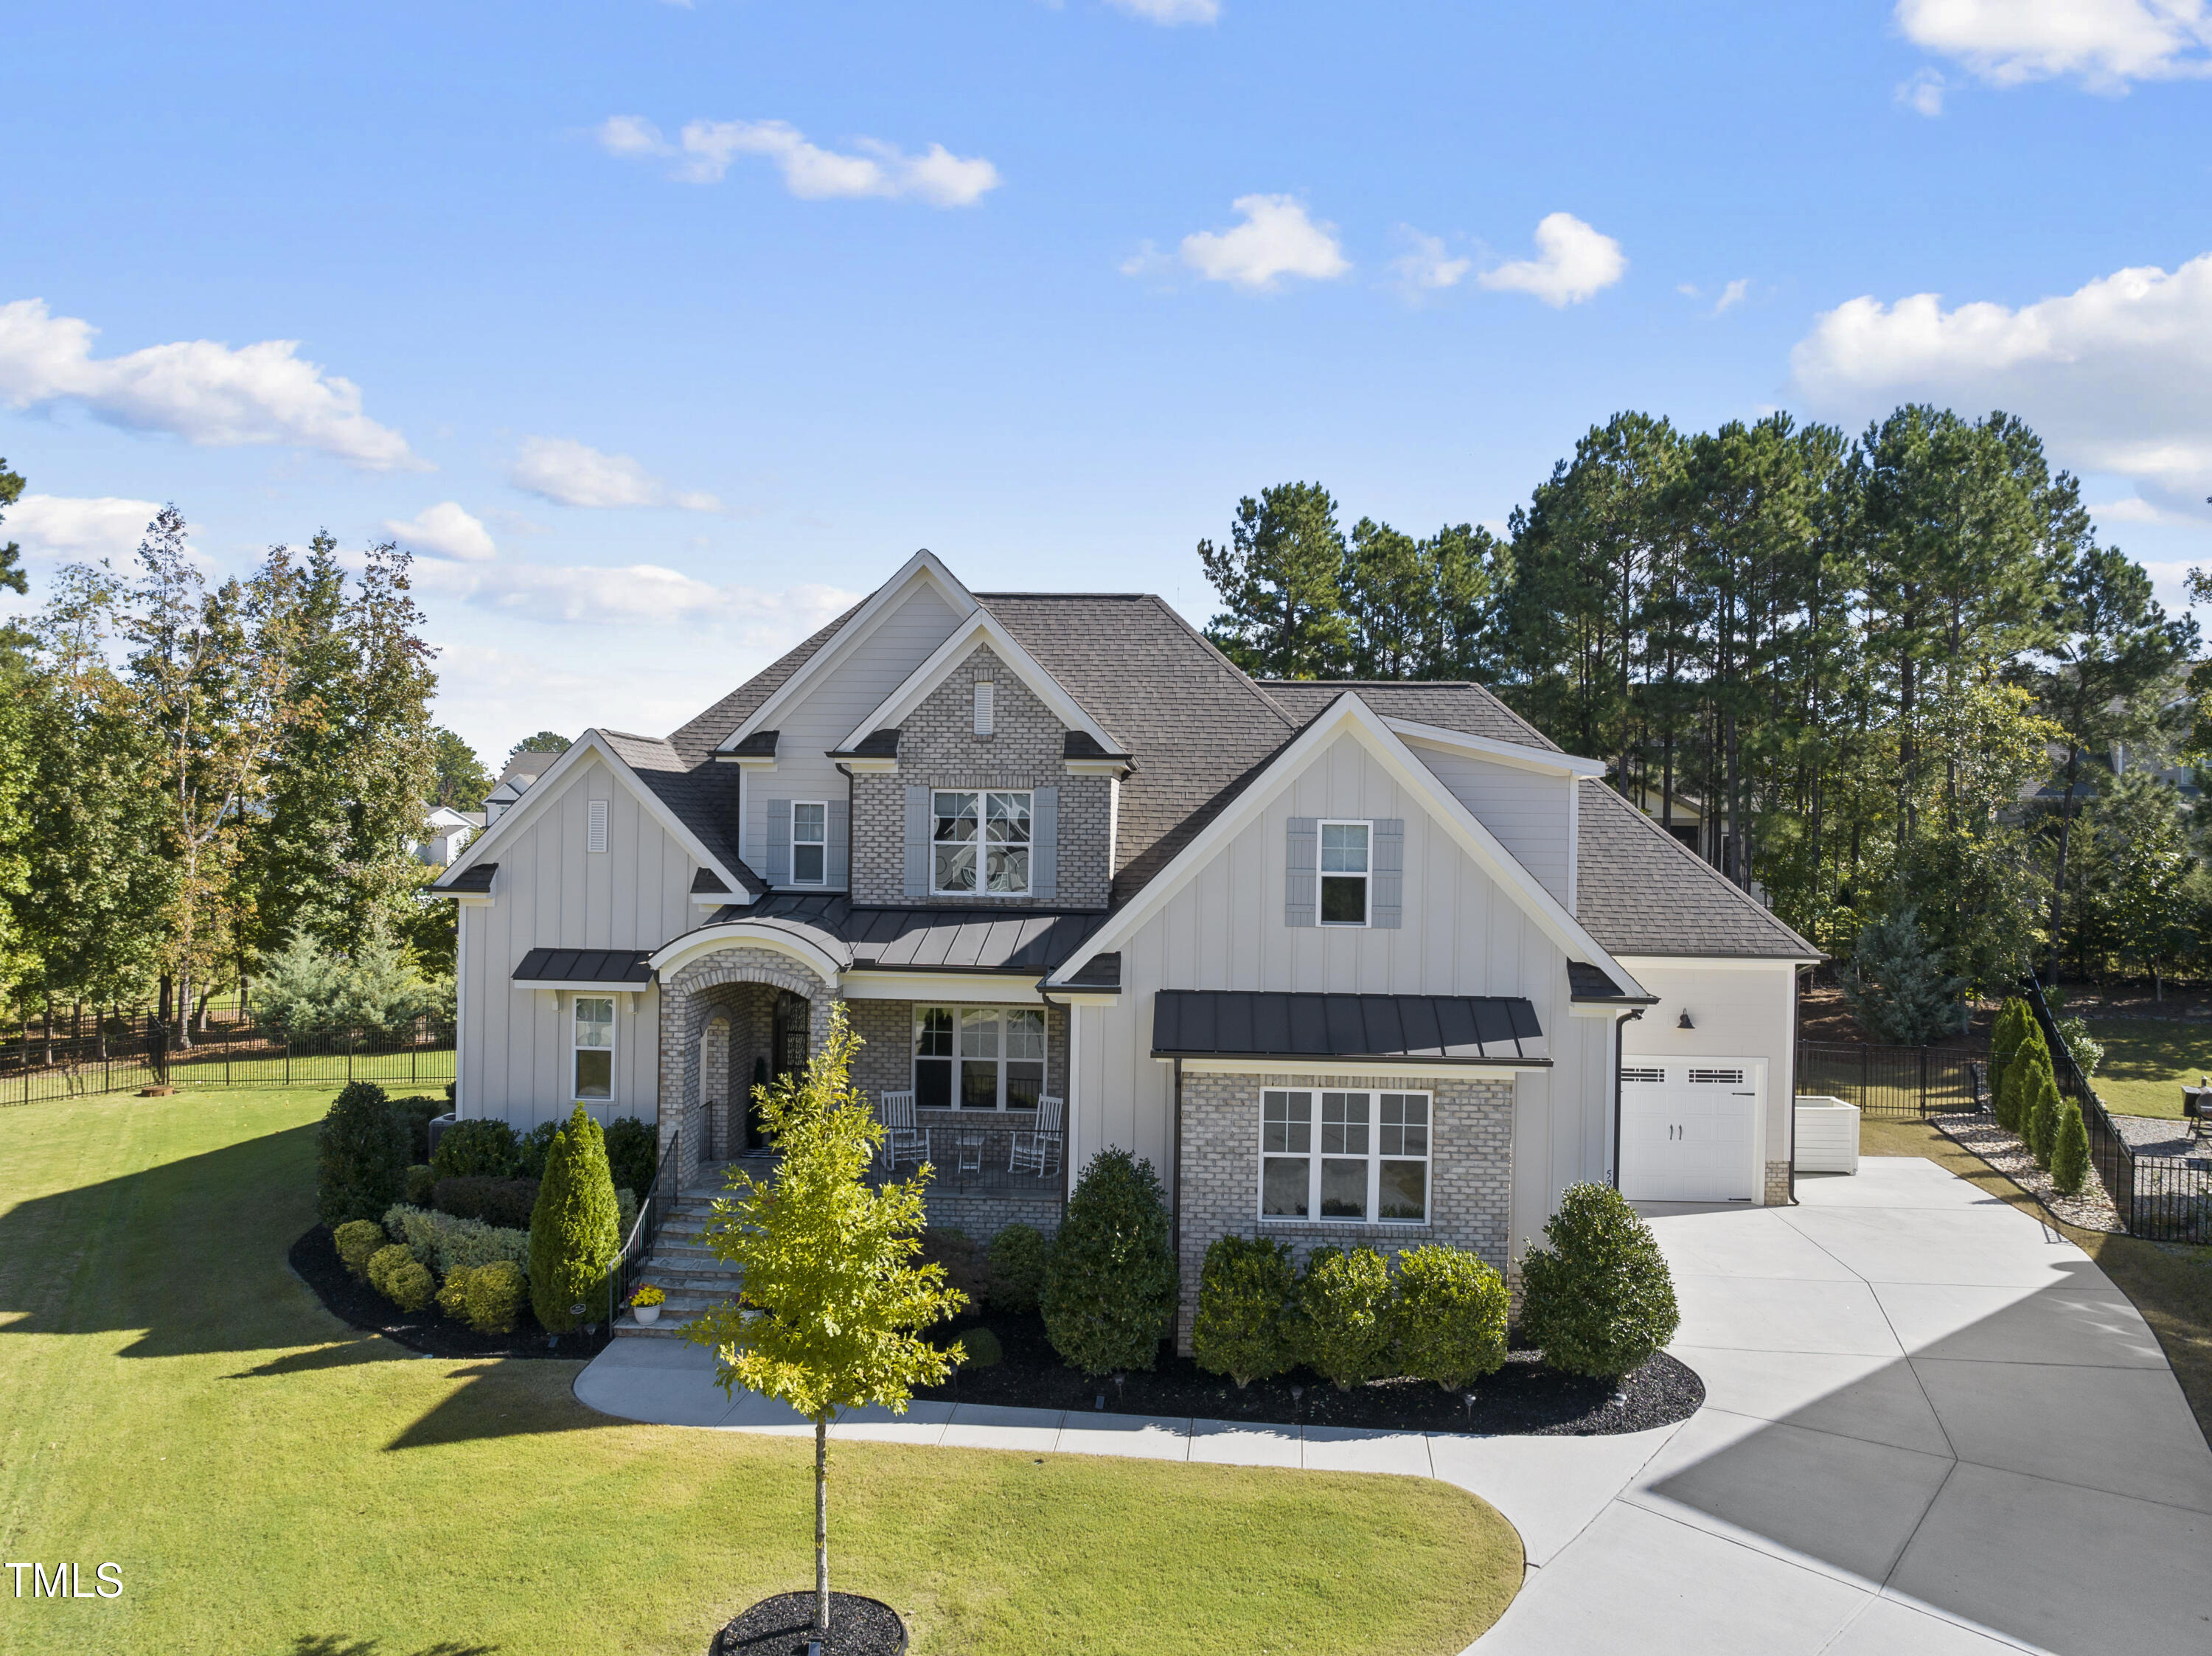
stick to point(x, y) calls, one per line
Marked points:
point(703, 796)
point(1641, 891)
point(1451, 706)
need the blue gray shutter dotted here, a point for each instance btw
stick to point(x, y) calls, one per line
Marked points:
point(839, 855)
point(779, 842)
point(1387, 910)
point(1044, 843)
point(917, 842)
point(1298, 893)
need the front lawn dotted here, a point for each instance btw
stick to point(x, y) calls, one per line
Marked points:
point(2147, 1059)
point(274, 1483)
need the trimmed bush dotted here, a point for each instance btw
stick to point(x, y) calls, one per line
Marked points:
point(357, 1239)
point(422, 1185)
point(360, 1159)
point(1018, 1255)
point(530, 1150)
point(1599, 1300)
point(1244, 1294)
point(2069, 1151)
point(496, 1293)
point(2040, 1129)
point(447, 1243)
point(1109, 1289)
point(633, 1155)
point(1341, 1328)
point(453, 1293)
point(967, 1267)
point(479, 1148)
point(507, 1202)
point(2012, 1020)
point(398, 1275)
point(1451, 1316)
point(2019, 1091)
point(982, 1348)
point(415, 1115)
point(573, 1236)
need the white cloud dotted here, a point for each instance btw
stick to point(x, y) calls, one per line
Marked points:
point(2116, 375)
point(1426, 268)
point(1732, 295)
point(706, 149)
point(446, 531)
point(1170, 12)
point(58, 526)
point(1573, 262)
point(204, 392)
point(2133, 509)
point(570, 473)
point(2104, 43)
point(638, 593)
point(1275, 241)
point(1924, 94)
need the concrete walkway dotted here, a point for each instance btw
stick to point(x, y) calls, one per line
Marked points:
point(1932, 1425)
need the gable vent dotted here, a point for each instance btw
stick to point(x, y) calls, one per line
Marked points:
point(985, 694)
point(1642, 1075)
point(595, 834)
point(1717, 1078)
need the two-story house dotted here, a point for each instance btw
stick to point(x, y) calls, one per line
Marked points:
point(1370, 961)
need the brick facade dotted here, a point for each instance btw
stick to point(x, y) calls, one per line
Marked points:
point(1470, 1172)
point(1777, 1183)
point(939, 748)
point(688, 1001)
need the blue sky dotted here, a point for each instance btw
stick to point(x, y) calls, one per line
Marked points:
point(660, 330)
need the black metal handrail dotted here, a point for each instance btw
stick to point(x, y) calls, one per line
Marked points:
point(637, 1247)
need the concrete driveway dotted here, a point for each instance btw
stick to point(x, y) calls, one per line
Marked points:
point(1932, 1426)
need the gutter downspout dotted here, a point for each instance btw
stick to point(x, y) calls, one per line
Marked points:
point(1796, 1010)
point(1175, 1219)
point(1619, 1024)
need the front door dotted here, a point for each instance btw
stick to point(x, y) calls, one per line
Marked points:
point(789, 1049)
point(1686, 1128)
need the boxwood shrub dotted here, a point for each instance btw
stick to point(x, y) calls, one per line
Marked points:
point(357, 1239)
point(1342, 1327)
point(1109, 1291)
point(1599, 1298)
point(489, 1298)
point(398, 1275)
point(480, 1147)
point(1245, 1294)
point(982, 1348)
point(361, 1159)
point(1450, 1314)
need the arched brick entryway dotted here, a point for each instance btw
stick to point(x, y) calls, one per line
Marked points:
point(708, 989)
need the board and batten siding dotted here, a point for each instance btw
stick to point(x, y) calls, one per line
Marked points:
point(1461, 935)
point(1528, 811)
point(827, 714)
point(1738, 1009)
point(551, 892)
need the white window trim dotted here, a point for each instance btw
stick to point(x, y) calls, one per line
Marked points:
point(982, 822)
point(1374, 1158)
point(1367, 879)
point(614, 1042)
point(823, 806)
point(953, 1108)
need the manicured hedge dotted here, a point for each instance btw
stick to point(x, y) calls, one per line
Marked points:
point(361, 1159)
point(479, 1148)
point(1343, 1328)
point(1017, 1258)
point(1598, 1299)
point(1109, 1291)
point(1245, 1293)
point(1450, 1316)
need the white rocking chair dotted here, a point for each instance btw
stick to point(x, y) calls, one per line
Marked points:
point(1038, 1150)
point(908, 1142)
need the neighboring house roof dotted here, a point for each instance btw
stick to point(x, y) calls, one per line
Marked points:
point(1447, 1028)
point(1451, 706)
point(527, 768)
point(1640, 891)
point(933, 939)
point(599, 966)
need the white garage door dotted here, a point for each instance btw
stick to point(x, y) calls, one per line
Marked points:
point(1686, 1128)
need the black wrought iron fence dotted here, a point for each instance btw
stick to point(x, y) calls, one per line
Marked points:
point(416, 1056)
point(1895, 1084)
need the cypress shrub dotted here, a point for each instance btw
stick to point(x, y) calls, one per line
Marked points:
point(2004, 1041)
point(1450, 1316)
point(2069, 1151)
point(1245, 1294)
point(632, 1155)
point(1109, 1291)
point(1017, 1258)
point(357, 1241)
point(361, 1162)
point(573, 1230)
point(2042, 1124)
point(479, 1148)
point(2018, 1092)
point(1342, 1327)
point(1599, 1300)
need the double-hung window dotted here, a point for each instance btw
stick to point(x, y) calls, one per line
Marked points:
point(982, 1057)
point(593, 1047)
point(810, 842)
point(980, 843)
point(1343, 873)
point(1360, 1157)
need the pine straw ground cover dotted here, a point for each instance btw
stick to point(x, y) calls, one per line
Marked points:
point(274, 1483)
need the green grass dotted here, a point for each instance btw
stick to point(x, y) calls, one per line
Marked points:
point(2147, 1059)
point(274, 1483)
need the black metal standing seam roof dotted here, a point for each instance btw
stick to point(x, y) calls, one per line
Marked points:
point(472, 882)
point(1444, 1029)
point(1025, 941)
point(584, 966)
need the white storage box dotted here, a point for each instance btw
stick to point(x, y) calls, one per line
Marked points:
point(1828, 1135)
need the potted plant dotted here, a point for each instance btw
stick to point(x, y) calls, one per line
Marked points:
point(645, 1305)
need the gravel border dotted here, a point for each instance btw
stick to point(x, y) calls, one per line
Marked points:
point(2091, 1209)
point(782, 1626)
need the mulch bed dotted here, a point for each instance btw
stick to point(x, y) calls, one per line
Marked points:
point(782, 1626)
point(1523, 1398)
point(314, 1260)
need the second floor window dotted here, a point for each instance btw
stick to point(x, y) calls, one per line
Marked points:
point(980, 843)
point(1343, 870)
point(810, 842)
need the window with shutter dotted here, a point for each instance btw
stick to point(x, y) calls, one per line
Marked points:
point(841, 841)
point(1298, 884)
point(1388, 908)
point(917, 842)
point(1044, 843)
point(779, 842)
